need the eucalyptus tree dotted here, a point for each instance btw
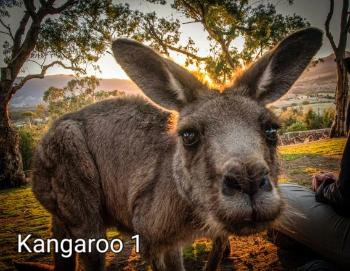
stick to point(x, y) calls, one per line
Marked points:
point(70, 34)
point(225, 21)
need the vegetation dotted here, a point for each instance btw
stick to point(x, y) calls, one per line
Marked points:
point(326, 147)
point(296, 119)
point(224, 21)
point(20, 213)
point(75, 95)
point(29, 136)
point(302, 161)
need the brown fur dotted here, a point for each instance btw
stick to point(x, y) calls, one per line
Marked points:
point(122, 161)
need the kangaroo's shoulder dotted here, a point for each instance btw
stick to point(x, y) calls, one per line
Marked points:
point(126, 107)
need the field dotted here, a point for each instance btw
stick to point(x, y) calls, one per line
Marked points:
point(20, 213)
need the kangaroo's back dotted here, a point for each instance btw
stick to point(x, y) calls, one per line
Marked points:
point(114, 145)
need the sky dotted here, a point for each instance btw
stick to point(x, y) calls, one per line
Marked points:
point(315, 11)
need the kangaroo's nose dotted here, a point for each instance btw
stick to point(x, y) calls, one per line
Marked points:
point(246, 178)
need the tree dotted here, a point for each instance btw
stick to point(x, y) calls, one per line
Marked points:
point(29, 115)
point(75, 95)
point(69, 34)
point(225, 20)
point(339, 125)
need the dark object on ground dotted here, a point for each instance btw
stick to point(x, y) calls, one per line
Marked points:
point(317, 265)
point(28, 266)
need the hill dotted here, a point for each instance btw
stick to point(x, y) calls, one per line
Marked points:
point(319, 77)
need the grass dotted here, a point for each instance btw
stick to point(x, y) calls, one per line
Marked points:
point(302, 161)
point(20, 213)
point(327, 147)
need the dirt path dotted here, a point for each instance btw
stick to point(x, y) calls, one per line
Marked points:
point(302, 169)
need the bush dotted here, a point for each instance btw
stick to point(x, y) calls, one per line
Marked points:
point(312, 120)
point(295, 119)
point(328, 117)
point(26, 145)
point(29, 135)
point(297, 126)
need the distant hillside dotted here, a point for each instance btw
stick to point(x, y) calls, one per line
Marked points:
point(32, 92)
point(318, 77)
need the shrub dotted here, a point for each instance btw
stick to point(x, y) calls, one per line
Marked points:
point(328, 117)
point(297, 126)
point(26, 145)
point(29, 135)
point(295, 119)
point(312, 120)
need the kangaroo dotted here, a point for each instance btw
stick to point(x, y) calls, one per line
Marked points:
point(183, 162)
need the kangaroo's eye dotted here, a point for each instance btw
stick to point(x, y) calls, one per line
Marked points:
point(190, 137)
point(271, 134)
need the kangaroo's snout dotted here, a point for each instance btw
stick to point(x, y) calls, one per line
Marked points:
point(247, 177)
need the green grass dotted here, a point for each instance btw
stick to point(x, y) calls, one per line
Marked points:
point(20, 213)
point(326, 147)
point(302, 161)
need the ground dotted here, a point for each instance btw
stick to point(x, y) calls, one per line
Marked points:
point(20, 213)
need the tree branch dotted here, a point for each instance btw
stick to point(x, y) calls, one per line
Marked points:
point(219, 38)
point(42, 74)
point(192, 22)
point(19, 33)
point(5, 33)
point(30, 7)
point(51, 10)
point(166, 46)
point(343, 26)
point(9, 32)
point(184, 52)
point(328, 20)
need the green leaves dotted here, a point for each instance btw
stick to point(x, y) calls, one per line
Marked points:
point(224, 21)
point(78, 92)
point(81, 33)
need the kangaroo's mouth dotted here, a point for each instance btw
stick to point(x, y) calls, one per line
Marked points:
point(248, 227)
point(243, 215)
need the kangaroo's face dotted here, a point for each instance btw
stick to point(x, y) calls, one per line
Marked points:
point(225, 160)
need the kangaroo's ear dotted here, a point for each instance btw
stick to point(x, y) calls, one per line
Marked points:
point(272, 75)
point(163, 81)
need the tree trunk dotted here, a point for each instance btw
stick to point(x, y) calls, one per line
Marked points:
point(11, 167)
point(347, 126)
point(338, 128)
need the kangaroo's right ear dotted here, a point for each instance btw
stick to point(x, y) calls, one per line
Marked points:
point(163, 81)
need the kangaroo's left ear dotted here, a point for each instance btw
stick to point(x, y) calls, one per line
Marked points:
point(272, 75)
point(162, 80)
